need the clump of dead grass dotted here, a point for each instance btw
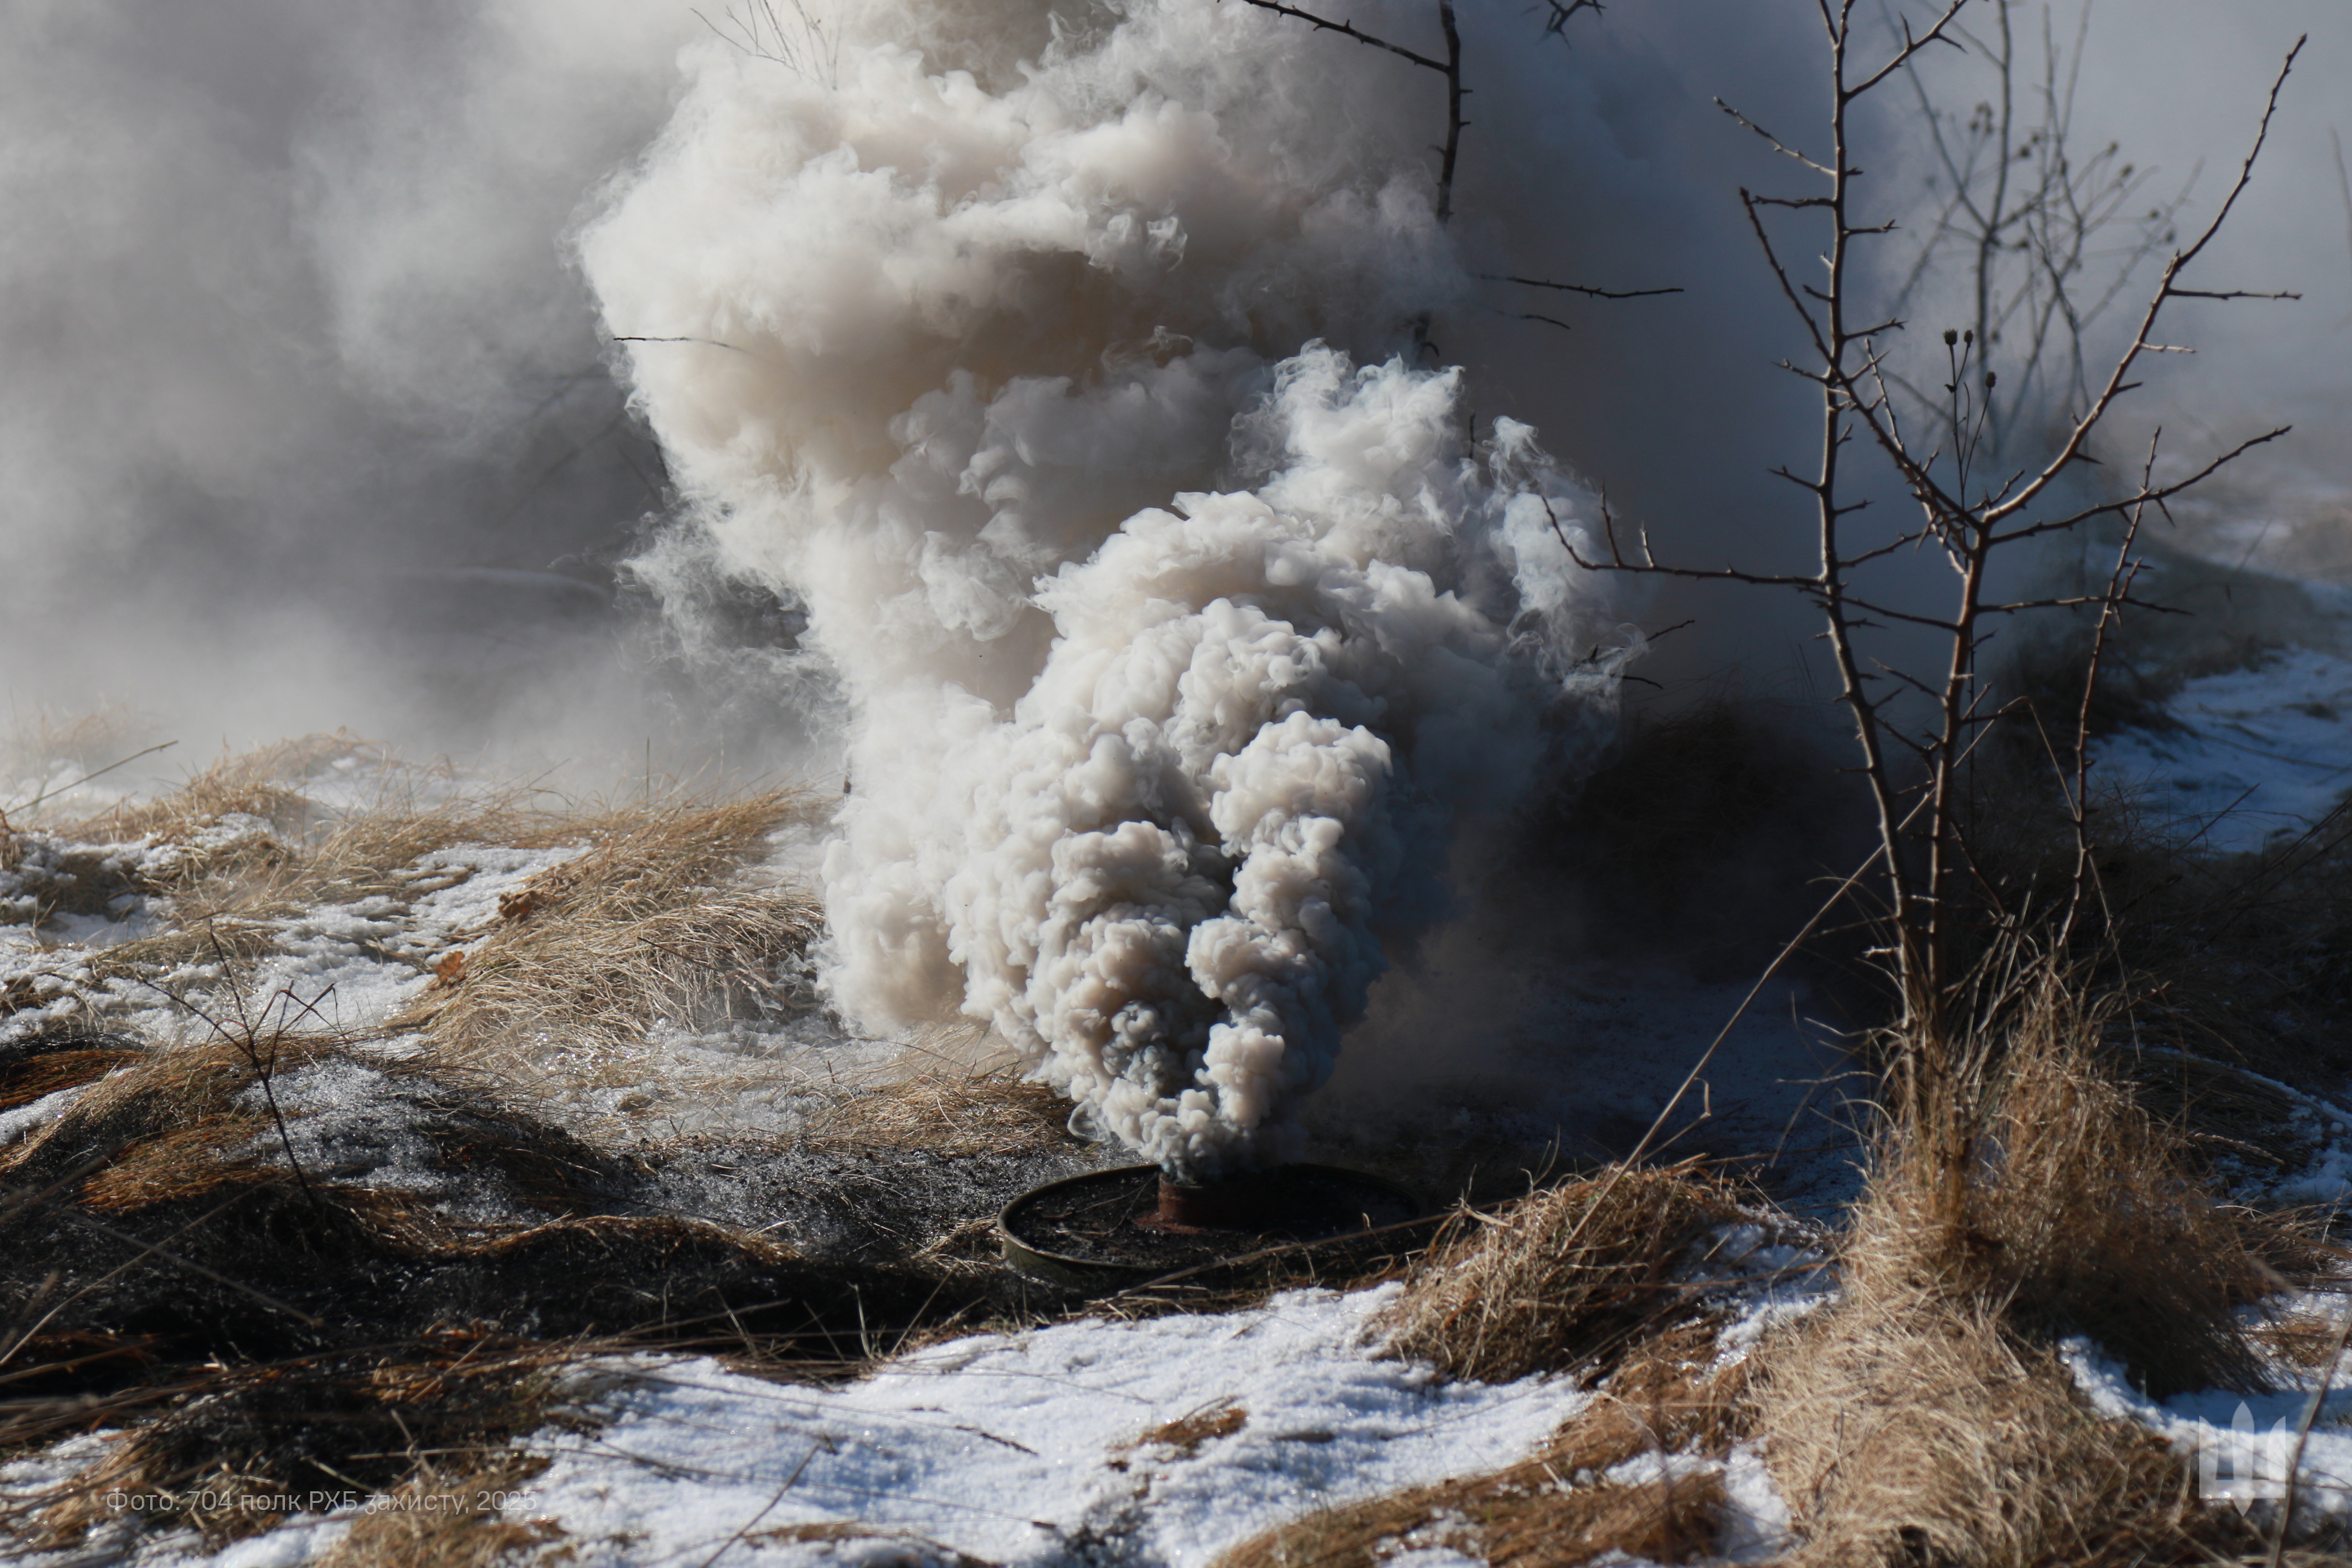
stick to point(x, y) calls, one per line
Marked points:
point(2049, 1188)
point(866, 1546)
point(446, 1515)
point(1560, 1275)
point(1912, 1425)
point(35, 1068)
point(1185, 1433)
point(135, 1134)
point(949, 1113)
point(654, 920)
point(258, 783)
point(87, 740)
point(421, 1428)
point(1924, 1416)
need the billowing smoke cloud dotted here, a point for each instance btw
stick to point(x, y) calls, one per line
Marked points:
point(286, 315)
point(289, 335)
point(1179, 637)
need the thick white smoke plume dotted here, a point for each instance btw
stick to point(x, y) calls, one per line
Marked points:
point(1181, 620)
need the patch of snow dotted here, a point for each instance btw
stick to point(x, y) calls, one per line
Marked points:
point(1017, 1448)
point(2259, 752)
point(2326, 1179)
point(2242, 1446)
point(1770, 1279)
point(353, 965)
point(1756, 1518)
point(1430, 1557)
point(348, 1121)
point(26, 1120)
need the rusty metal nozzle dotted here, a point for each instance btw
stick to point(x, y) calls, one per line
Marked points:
point(1213, 1206)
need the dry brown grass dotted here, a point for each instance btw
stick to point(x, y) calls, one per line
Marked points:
point(1558, 1276)
point(152, 1238)
point(227, 881)
point(861, 1540)
point(2051, 1190)
point(1220, 1418)
point(45, 1074)
point(1923, 1415)
point(228, 895)
point(445, 1516)
point(257, 783)
point(654, 920)
point(228, 911)
point(1910, 1425)
point(1561, 1506)
point(236, 1446)
point(143, 1128)
point(1516, 1518)
point(951, 1113)
point(87, 740)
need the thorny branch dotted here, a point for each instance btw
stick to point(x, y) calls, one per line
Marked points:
point(1563, 11)
point(1450, 150)
point(1578, 287)
point(1325, 25)
point(1450, 67)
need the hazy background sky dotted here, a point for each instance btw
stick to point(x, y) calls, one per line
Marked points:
point(289, 328)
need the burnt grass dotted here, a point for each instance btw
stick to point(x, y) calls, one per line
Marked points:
point(308, 1327)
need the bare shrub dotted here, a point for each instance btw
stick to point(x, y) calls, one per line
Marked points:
point(1554, 1279)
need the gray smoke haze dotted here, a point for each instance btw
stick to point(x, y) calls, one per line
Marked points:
point(283, 305)
point(308, 419)
point(290, 335)
point(931, 338)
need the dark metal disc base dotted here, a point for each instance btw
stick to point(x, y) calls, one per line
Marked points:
point(1109, 1228)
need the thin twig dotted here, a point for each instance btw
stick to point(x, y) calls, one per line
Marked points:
point(2302, 1435)
point(1323, 24)
point(1580, 288)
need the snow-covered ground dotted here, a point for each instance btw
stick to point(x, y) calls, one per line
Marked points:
point(1007, 1448)
point(2250, 754)
point(2246, 1447)
point(1034, 1447)
point(1165, 1441)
